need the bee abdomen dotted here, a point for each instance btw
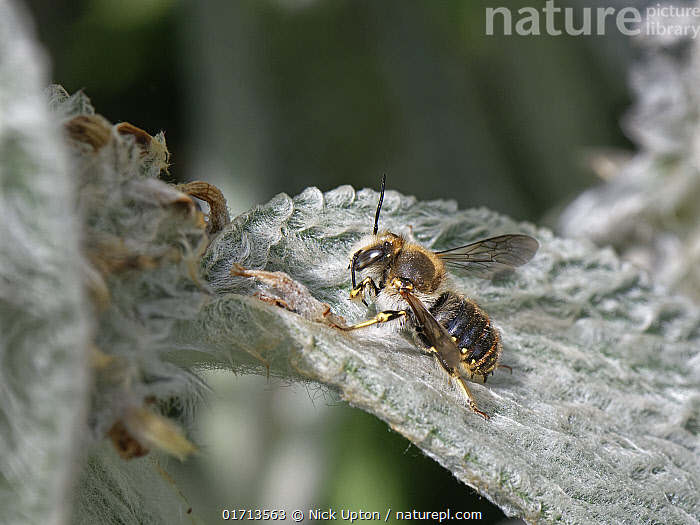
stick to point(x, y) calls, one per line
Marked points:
point(472, 330)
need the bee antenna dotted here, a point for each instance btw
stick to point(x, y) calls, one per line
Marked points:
point(379, 206)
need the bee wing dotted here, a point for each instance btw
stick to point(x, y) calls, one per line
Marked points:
point(493, 257)
point(438, 336)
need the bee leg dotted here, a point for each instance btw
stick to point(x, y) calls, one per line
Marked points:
point(468, 395)
point(381, 317)
point(454, 374)
point(359, 290)
point(510, 369)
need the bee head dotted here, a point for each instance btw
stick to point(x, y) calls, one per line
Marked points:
point(379, 252)
point(380, 249)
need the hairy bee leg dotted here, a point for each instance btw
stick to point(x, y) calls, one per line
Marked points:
point(469, 397)
point(454, 374)
point(381, 317)
point(499, 365)
point(359, 290)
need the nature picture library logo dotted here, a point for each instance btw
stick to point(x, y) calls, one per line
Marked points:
point(556, 19)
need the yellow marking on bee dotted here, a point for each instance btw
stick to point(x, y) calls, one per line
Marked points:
point(383, 317)
point(368, 322)
point(396, 282)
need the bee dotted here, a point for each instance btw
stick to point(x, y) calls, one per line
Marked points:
point(410, 283)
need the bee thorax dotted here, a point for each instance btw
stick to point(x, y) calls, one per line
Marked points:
point(421, 268)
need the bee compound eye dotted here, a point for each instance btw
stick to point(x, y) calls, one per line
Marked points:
point(366, 258)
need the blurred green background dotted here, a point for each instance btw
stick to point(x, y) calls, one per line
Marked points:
point(268, 96)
